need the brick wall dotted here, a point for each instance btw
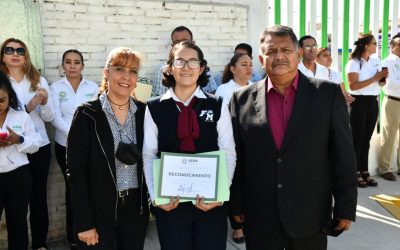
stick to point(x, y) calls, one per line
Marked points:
point(97, 26)
point(94, 27)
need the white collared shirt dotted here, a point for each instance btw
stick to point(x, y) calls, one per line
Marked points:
point(365, 70)
point(321, 72)
point(42, 113)
point(226, 90)
point(66, 100)
point(14, 156)
point(392, 86)
point(226, 142)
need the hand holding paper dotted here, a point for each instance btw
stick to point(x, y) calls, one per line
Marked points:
point(222, 182)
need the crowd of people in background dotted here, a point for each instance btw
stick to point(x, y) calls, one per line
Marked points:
point(106, 141)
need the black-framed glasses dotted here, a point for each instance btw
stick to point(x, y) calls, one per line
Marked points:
point(192, 63)
point(11, 50)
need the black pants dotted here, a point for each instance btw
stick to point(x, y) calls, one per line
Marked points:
point(188, 228)
point(39, 164)
point(363, 117)
point(62, 162)
point(15, 191)
point(129, 231)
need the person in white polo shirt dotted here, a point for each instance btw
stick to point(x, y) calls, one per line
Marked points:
point(17, 138)
point(363, 74)
point(324, 58)
point(33, 93)
point(308, 65)
point(68, 93)
point(391, 110)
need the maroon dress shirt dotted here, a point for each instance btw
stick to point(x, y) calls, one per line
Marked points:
point(280, 109)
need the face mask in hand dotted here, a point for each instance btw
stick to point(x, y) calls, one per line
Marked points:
point(128, 153)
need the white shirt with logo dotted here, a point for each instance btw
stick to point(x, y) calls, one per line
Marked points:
point(392, 86)
point(42, 113)
point(14, 156)
point(321, 72)
point(365, 70)
point(66, 100)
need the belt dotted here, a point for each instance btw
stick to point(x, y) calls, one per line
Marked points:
point(125, 192)
point(393, 98)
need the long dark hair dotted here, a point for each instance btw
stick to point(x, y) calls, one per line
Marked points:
point(360, 44)
point(227, 75)
point(5, 85)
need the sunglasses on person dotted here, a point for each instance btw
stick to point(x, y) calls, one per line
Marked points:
point(11, 50)
point(180, 63)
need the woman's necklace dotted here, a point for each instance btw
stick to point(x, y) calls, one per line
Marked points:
point(119, 105)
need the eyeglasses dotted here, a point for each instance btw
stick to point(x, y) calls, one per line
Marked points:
point(180, 63)
point(121, 70)
point(310, 47)
point(11, 50)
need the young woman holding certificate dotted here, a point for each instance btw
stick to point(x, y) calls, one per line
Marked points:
point(177, 122)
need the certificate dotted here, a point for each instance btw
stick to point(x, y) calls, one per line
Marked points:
point(189, 175)
point(223, 183)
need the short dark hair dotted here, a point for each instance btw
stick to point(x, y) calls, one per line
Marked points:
point(246, 47)
point(72, 51)
point(393, 38)
point(169, 80)
point(5, 85)
point(182, 28)
point(303, 38)
point(278, 30)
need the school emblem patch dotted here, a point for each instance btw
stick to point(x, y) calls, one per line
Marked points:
point(207, 115)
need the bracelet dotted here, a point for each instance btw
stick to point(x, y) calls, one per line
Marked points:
point(26, 109)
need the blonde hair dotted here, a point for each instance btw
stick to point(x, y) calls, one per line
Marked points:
point(120, 56)
point(30, 71)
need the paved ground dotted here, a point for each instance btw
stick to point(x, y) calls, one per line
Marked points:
point(374, 229)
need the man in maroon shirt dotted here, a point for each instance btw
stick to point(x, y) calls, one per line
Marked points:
point(294, 152)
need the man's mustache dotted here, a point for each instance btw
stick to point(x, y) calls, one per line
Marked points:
point(280, 63)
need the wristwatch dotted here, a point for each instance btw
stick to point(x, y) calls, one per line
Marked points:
point(21, 139)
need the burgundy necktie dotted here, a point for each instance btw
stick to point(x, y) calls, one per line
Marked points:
point(188, 126)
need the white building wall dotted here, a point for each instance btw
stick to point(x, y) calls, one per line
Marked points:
point(94, 27)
